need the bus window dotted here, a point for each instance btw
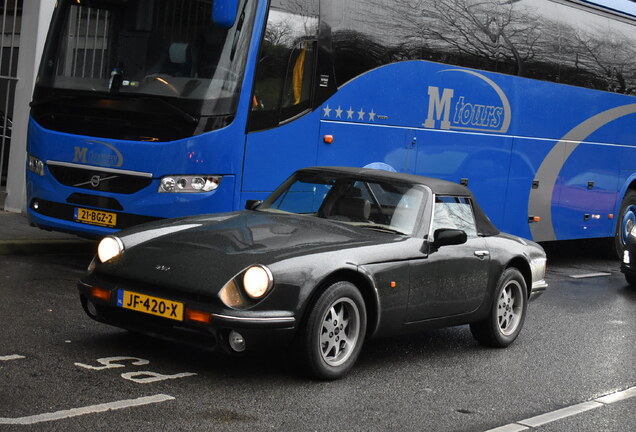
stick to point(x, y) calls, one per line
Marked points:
point(166, 55)
point(542, 39)
point(284, 75)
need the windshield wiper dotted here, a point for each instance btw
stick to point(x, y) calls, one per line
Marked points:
point(382, 228)
point(44, 101)
point(175, 109)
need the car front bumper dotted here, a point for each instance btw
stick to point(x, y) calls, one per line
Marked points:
point(261, 330)
point(537, 289)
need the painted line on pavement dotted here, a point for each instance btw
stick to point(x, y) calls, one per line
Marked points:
point(562, 413)
point(11, 357)
point(590, 275)
point(92, 409)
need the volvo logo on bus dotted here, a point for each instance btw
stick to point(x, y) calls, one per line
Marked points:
point(98, 153)
point(95, 181)
point(453, 111)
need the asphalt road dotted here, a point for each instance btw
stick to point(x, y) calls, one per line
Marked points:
point(61, 371)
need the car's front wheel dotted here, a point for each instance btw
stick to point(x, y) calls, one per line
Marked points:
point(334, 332)
point(507, 314)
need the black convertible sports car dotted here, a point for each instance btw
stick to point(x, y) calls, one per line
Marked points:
point(332, 257)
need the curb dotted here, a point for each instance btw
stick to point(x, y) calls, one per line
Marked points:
point(47, 246)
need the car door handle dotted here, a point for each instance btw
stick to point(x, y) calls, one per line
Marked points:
point(481, 254)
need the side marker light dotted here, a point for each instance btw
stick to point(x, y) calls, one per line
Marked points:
point(100, 293)
point(198, 316)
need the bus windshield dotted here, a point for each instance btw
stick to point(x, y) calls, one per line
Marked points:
point(150, 48)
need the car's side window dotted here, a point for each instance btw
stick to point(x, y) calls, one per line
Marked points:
point(455, 213)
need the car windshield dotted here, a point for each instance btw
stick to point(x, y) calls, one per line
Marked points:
point(156, 48)
point(378, 205)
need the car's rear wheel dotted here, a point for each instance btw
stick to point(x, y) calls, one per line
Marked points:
point(334, 332)
point(507, 314)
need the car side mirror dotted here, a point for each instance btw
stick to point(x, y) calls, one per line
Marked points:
point(252, 204)
point(448, 237)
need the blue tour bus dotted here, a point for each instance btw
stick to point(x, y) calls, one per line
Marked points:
point(147, 109)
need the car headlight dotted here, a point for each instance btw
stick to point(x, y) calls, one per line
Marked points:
point(109, 248)
point(189, 184)
point(257, 280)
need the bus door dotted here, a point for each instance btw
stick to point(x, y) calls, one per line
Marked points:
point(282, 129)
point(587, 191)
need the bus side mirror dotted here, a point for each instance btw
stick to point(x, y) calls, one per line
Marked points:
point(224, 13)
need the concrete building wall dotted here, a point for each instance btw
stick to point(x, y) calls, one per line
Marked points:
point(36, 17)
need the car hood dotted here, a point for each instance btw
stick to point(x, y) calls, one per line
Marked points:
point(201, 254)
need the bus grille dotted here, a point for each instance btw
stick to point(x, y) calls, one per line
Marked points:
point(96, 180)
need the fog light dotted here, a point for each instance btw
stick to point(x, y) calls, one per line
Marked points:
point(36, 205)
point(237, 341)
point(626, 257)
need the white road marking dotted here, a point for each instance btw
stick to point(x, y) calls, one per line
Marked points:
point(11, 357)
point(562, 413)
point(152, 377)
point(111, 362)
point(92, 409)
point(590, 275)
point(513, 427)
point(618, 396)
point(559, 414)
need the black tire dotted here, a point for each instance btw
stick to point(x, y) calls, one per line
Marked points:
point(507, 314)
point(334, 332)
point(628, 207)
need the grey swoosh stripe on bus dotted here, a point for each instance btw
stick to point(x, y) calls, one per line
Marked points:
point(541, 204)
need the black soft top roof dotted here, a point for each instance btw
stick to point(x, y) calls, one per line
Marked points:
point(439, 187)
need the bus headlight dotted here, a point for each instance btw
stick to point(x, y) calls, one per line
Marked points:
point(189, 184)
point(36, 165)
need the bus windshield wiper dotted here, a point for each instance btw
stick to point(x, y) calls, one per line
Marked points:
point(175, 109)
point(47, 100)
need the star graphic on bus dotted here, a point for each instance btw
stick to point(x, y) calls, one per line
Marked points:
point(350, 113)
point(361, 114)
point(372, 115)
point(327, 111)
point(339, 112)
